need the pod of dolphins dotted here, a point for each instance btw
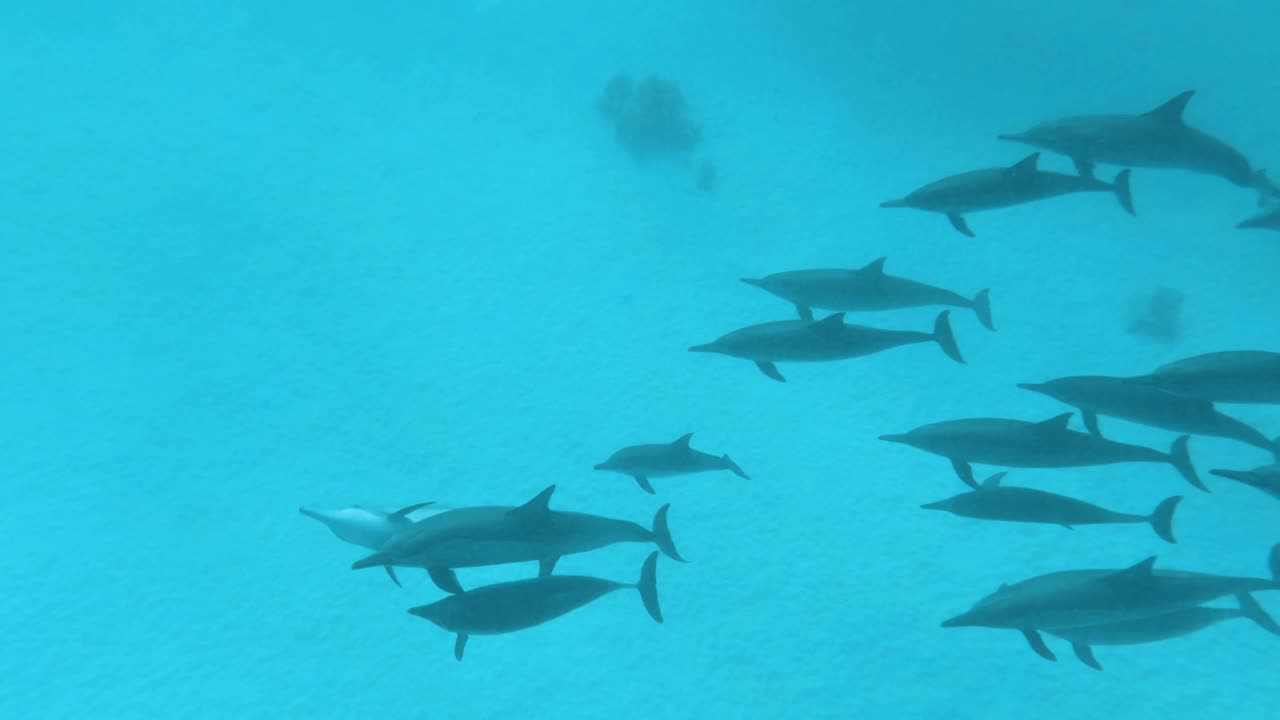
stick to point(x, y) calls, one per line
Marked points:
point(1141, 603)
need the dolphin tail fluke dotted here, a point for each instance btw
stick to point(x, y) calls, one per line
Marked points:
point(662, 534)
point(1274, 561)
point(982, 307)
point(1180, 456)
point(945, 338)
point(733, 467)
point(1250, 608)
point(1275, 449)
point(1162, 518)
point(1121, 186)
point(648, 587)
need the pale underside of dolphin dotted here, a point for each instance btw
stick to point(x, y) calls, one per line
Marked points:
point(1159, 138)
point(991, 188)
point(367, 527)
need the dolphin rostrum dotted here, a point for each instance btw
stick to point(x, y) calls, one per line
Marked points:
point(1148, 404)
point(822, 340)
point(1046, 444)
point(533, 532)
point(1161, 627)
point(1159, 138)
point(992, 188)
point(1233, 376)
point(1265, 478)
point(1081, 598)
point(995, 501)
point(511, 606)
point(866, 289)
point(666, 460)
point(1269, 220)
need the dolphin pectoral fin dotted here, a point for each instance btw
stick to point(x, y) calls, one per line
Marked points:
point(404, 511)
point(643, 482)
point(965, 472)
point(445, 579)
point(1084, 166)
point(547, 565)
point(1085, 653)
point(1091, 423)
point(957, 222)
point(1037, 644)
point(391, 573)
point(459, 645)
point(805, 313)
point(770, 369)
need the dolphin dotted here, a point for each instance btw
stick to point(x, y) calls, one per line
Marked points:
point(366, 527)
point(1159, 138)
point(1269, 220)
point(666, 460)
point(1233, 376)
point(1161, 627)
point(511, 606)
point(533, 532)
point(866, 289)
point(994, 501)
point(822, 340)
point(1146, 403)
point(992, 188)
point(1080, 598)
point(1046, 444)
point(1265, 478)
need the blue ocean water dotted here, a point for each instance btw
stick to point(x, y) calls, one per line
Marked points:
point(264, 255)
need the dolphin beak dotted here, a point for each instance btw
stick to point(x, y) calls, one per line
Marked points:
point(902, 202)
point(321, 515)
point(933, 506)
point(1251, 223)
point(1243, 476)
point(1015, 137)
point(895, 438)
point(957, 621)
point(752, 281)
point(602, 466)
point(707, 347)
point(1034, 387)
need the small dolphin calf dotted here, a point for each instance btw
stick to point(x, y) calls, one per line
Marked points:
point(1161, 627)
point(866, 289)
point(822, 340)
point(1234, 376)
point(1080, 598)
point(511, 606)
point(1047, 444)
point(993, 188)
point(366, 527)
point(1265, 478)
point(1148, 404)
point(994, 501)
point(666, 460)
point(533, 532)
point(1156, 139)
point(1266, 221)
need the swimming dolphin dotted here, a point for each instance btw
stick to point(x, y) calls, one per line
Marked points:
point(483, 536)
point(1159, 138)
point(511, 606)
point(1046, 444)
point(666, 460)
point(994, 501)
point(1079, 598)
point(1148, 404)
point(1266, 221)
point(992, 188)
point(868, 288)
point(1234, 376)
point(367, 527)
point(822, 340)
point(1161, 627)
point(1265, 478)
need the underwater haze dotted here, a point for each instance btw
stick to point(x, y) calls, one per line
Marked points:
point(260, 256)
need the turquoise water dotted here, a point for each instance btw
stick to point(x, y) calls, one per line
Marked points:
point(264, 255)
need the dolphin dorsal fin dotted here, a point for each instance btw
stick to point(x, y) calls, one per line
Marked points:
point(1026, 165)
point(1171, 112)
point(683, 441)
point(536, 509)
point(1140, 571)
point(830, 323)
point(993, 482)
point(1057, 422)
point(404, 511)
point(875, 267)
